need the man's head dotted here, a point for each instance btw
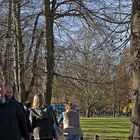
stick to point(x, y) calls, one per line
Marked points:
point(2, 90)
point(9, 91)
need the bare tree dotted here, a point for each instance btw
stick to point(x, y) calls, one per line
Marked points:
point(135, 58)
point(35, 47)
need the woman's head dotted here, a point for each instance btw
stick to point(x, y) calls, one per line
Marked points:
point(39, 101)
point(68, 106)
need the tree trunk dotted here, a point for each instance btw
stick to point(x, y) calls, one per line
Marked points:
point(7, 70)
point(88, 111)
point(114, 110)
point(49, 49)
point(19, 51)
point(35, 65)
point(135, 66)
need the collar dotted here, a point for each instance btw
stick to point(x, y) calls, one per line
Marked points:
point(3, 101)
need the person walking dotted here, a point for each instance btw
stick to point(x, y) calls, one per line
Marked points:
point(10, 94)
point(12, 118)
point(71, 123)
point(41, 117)
point(27, 105)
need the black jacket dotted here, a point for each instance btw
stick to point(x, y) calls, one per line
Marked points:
point(27, 113)
point(42, 122)
point(12, 121)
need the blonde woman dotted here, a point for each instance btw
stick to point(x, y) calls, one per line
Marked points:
point(41, 118)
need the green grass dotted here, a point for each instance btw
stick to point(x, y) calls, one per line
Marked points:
point(106, 128)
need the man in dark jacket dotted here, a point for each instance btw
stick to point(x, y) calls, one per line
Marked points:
point(9, 91)
point(12, 118)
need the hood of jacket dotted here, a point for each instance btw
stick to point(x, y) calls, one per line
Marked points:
point(40, 112)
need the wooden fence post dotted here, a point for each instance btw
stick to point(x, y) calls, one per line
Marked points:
point(96, 137)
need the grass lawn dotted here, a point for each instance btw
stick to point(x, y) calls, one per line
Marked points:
point(106, 128)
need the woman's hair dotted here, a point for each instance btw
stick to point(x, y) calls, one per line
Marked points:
point(39, 101)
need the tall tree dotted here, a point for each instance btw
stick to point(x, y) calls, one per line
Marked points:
point(55, 10)
point(63, 19)
point(19, 49)
point(49, 36)
point(135, 58)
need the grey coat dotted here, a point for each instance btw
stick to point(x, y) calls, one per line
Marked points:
point(71, 123)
